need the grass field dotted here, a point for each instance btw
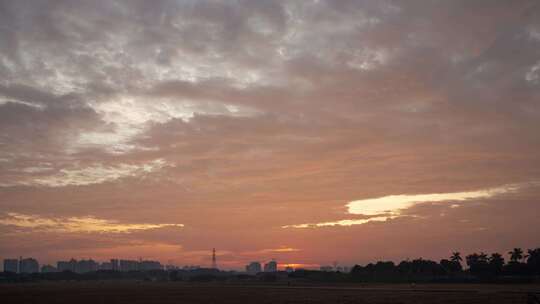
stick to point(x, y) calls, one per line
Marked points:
point(170, 292)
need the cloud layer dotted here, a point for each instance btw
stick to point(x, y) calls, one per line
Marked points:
point(223, 115)
point(75, 224)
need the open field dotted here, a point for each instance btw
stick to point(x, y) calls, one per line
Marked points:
point(170, 292)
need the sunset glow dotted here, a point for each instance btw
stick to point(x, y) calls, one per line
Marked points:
point(75, 224)
point(305, 132)
point(393, 204)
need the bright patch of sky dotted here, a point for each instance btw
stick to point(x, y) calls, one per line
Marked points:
point(87, 224)
point(341, 222)
point(127, 118)
point(96, 174)
point(382, 209)
point(533, 74)
point(393, 204)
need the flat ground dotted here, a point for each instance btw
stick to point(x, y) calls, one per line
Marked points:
point(173, 292)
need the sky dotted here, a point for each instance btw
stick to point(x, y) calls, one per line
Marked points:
point(311, 132)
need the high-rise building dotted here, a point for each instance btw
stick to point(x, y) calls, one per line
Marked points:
point(84, 266)
point(11, 265)
point(270, 266)
point(115, 265)
point(105, 266)
point(129, 265)
point(70, 265)
point(28, 265)
point(150, 265)
point(253, 268)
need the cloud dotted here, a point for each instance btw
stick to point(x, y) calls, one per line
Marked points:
point(386, 208)
point(533, 73)
point(96, 174)
point(342, 222)
point(86, 224)
point(264, 113)
point(130, 118)
point(282, 249)
point(393, 204)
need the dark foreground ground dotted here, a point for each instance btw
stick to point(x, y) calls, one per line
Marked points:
point(171, 292)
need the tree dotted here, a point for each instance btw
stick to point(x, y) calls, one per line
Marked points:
point(516, 267)
point(496, 263)
point(384, 267)
point(456, 257)
point(516, 255)
point(478, 263)
point(357, 270)
point(533, 260)
point(483, 257)
point(451, 266)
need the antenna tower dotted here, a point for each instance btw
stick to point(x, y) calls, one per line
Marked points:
point(214, 263)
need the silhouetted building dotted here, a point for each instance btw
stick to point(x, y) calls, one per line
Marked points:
point(191, 267)
point(84, 266)
point(115, 265)
point(48, 268)
point(11, 265)
point(28, 265)
point(270, 266)
point(70, 265)
point(106, 266)
point(253, 268)
point(129, 265)
point(289, 269)
point(149, 265)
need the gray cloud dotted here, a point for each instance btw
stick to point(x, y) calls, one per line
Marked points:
point(287, 109)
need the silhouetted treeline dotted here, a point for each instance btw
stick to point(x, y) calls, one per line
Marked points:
point(480, 267)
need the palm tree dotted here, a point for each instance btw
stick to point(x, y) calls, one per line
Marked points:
point(516, 255)
point(533, 255)
point(483, 257)
point(533, 260)
point(496, 258)
point(456, 257)
point(496, 261)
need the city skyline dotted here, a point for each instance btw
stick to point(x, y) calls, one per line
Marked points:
point(517, 262)
point(19, 265)
point(103, 264)
point(303, 131)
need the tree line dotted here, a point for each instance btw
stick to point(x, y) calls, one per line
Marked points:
point(479, 266)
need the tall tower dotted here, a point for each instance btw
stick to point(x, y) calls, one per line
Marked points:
point(214, 263)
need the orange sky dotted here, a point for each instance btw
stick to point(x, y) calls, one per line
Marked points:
point(304, 131)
